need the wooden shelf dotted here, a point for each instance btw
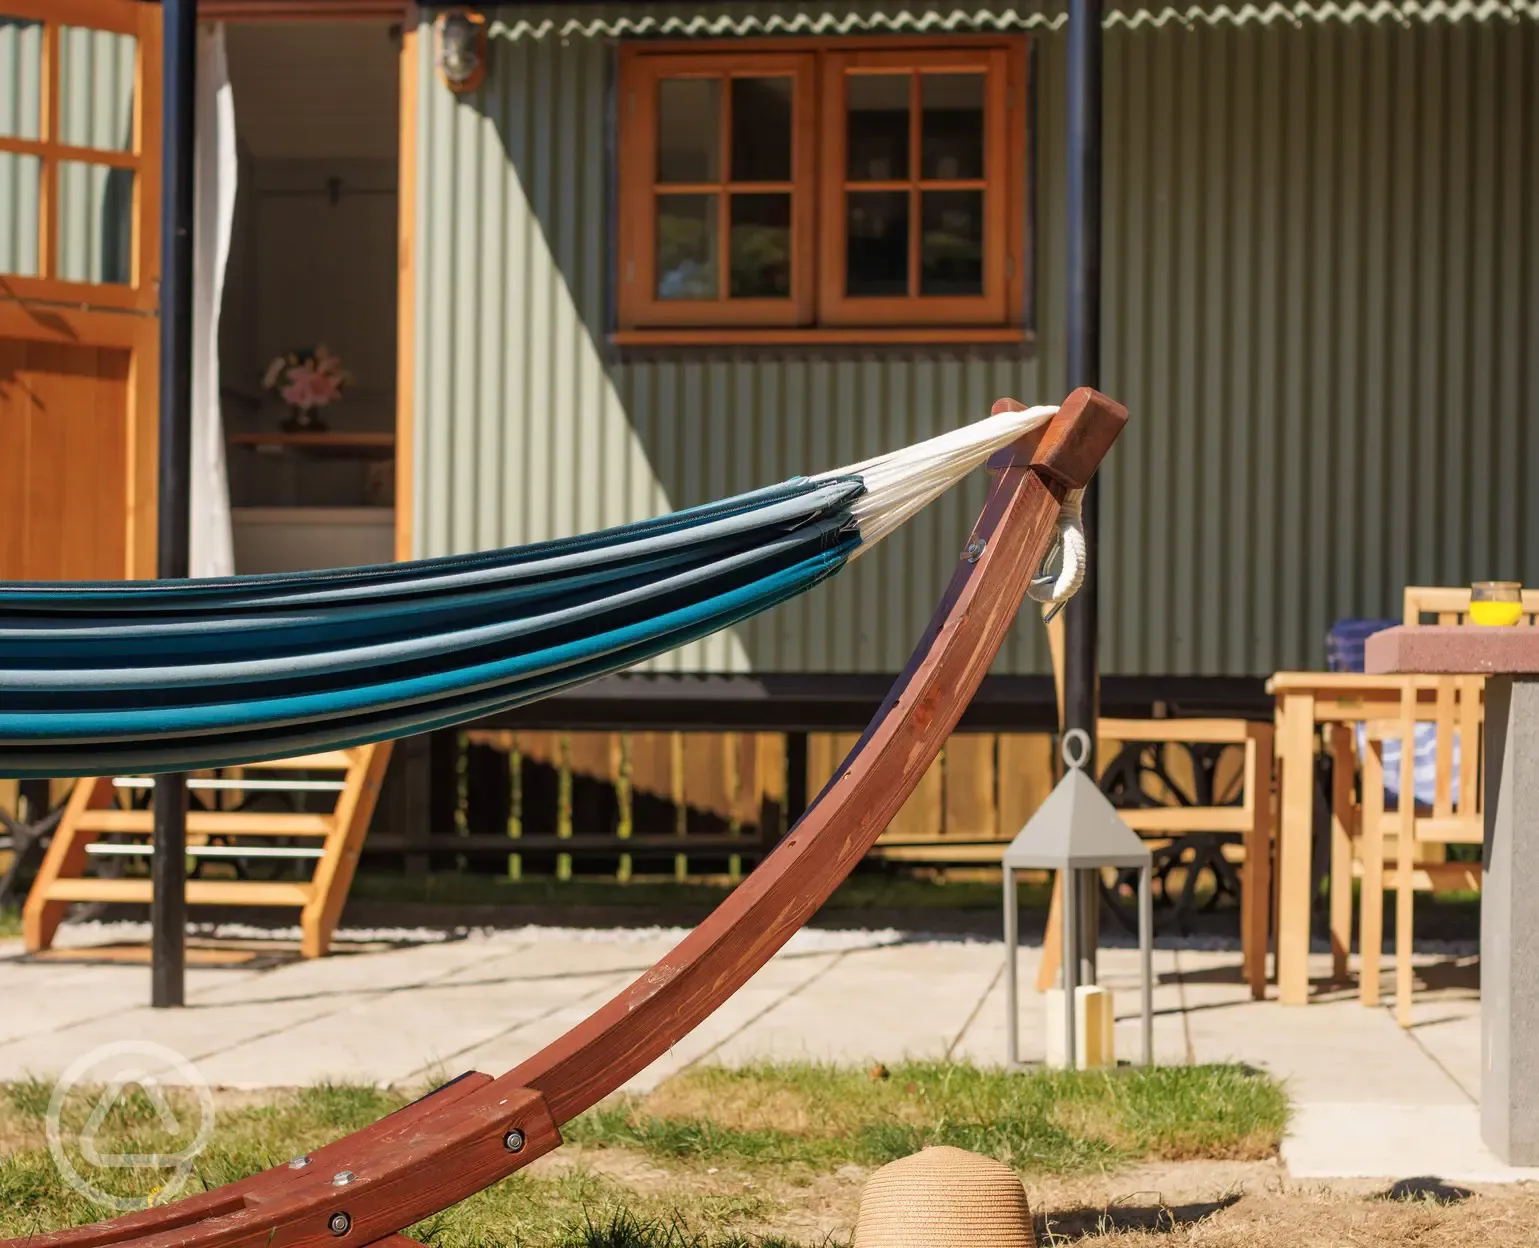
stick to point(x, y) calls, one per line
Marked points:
point(329, 445)
point(313, 439)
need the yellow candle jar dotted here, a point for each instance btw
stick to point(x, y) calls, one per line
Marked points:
point(1496, 603)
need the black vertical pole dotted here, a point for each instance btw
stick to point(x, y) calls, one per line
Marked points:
point(1084, 369)
point(168, 906)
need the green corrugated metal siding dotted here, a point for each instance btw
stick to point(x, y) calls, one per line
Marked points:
point(1322, 270)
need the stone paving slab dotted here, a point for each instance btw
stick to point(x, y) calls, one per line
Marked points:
point(1374, 1140)
point(985, 1039)
point(1371, 1100)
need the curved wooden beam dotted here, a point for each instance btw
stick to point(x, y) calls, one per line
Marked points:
point(367, 1186)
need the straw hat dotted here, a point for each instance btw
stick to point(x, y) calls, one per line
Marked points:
point(944, 1198)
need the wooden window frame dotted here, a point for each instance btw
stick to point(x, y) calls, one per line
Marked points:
point(989, 308)
point(819, 311)
point(304, 10)
point(638, 252)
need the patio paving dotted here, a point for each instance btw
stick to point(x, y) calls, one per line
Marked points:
point(1371, 1100)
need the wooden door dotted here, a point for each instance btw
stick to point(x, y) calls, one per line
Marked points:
point(79, 275)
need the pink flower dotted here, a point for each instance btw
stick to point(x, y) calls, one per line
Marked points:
point(326, 388)
point(308, 388)
point(314, 381)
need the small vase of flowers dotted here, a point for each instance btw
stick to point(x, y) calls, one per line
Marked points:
point(307, 381)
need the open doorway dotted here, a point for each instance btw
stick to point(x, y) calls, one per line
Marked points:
point(313, 264)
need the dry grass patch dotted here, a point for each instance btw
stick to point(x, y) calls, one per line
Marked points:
point(1296, 1217)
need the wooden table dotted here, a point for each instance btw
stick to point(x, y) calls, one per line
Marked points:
point(1509, 920)
point(1306, 700)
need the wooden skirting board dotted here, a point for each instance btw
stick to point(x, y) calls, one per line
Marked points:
point(92, 813)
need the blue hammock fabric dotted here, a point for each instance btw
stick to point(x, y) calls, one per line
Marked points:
point(151, 676)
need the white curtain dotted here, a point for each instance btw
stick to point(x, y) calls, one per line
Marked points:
point(212, 547)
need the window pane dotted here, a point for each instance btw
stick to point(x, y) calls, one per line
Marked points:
point(95, 222)
point(878, 127)
point(686, 247)
point(761, 246)
point(19, 190)
point(688, 137)
point(21, 82)
point(96, 88)
point(876, 252)
point(761, 129)
point(951, 243)
point(951, 138)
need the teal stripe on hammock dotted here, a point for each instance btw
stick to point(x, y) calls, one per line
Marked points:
point(295, 666)
point(122, 718)
point(105, 678)
point(676, 628)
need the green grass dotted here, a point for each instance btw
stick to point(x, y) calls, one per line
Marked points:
point(572, 1210)
point(34, 1194)
point(862, 892)
point(727, 1157)
point(10, 923)
point(1043, 1122)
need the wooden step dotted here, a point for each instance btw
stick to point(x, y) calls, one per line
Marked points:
point(199, 892)
point(332, 760)
point(144, 850)
point(210, 822)
point(233, 785)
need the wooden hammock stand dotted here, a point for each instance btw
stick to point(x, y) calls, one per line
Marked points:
point(468, 1134)
point(332, 840)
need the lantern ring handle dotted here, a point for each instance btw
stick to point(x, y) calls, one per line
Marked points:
point(1075, 748)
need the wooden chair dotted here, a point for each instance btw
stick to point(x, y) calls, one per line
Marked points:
point(1453, 816)
point(1249, 823)
point(332, 841)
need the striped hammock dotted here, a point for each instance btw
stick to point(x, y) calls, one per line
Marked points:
point(115, 677)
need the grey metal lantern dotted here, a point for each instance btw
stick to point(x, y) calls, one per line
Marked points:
point(1077, 829)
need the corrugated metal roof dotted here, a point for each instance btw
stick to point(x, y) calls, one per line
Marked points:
point(733, 20)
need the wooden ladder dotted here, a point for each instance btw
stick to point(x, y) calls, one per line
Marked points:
point(333, 842)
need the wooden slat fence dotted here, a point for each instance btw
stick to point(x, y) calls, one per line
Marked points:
point(721, 797)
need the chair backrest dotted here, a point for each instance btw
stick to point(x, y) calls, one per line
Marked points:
point(1445, 758)
point(1459, 708)
point(1451, 604)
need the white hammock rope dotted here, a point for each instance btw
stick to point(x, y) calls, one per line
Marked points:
point(1057, 590)
point(902, 483)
